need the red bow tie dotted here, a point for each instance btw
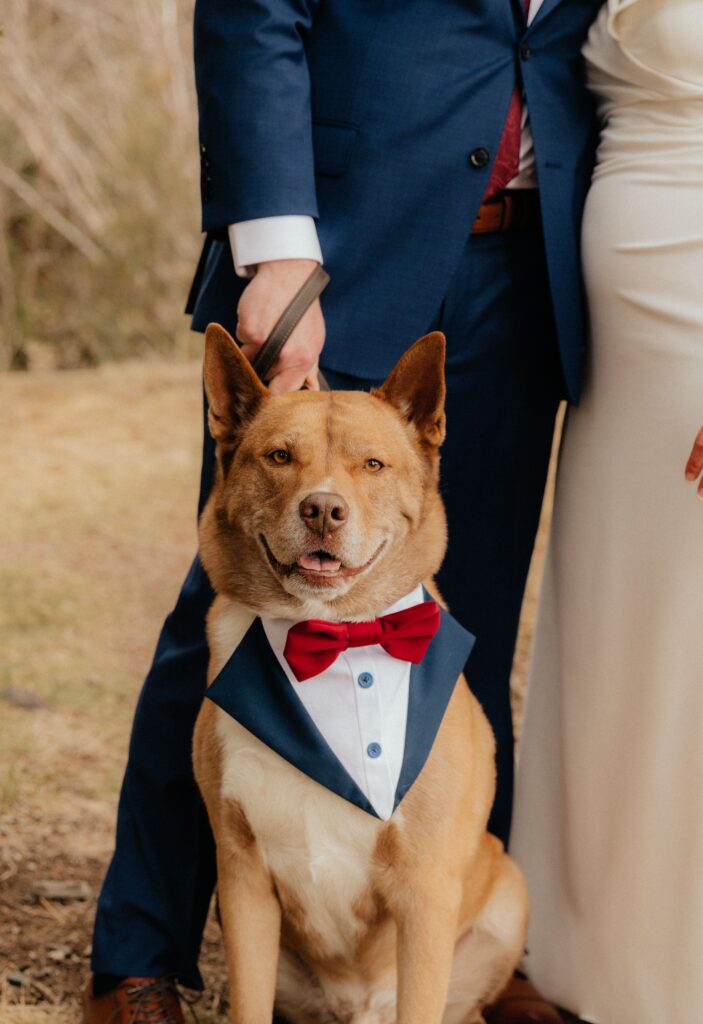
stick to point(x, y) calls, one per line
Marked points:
point(314, 645)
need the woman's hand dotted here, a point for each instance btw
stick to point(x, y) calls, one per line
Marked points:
point(262, 302)
point(694, 466)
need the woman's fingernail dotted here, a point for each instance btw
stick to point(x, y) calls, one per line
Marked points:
point(690, 475)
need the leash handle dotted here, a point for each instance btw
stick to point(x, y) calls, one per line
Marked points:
point(267, 356)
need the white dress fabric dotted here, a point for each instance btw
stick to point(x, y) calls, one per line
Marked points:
point(609, 807)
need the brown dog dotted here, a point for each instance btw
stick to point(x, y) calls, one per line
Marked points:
point(329, 913)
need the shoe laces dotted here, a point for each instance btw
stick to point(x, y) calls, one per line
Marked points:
point(152, 1002)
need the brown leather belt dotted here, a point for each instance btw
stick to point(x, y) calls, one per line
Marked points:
point(511, 210)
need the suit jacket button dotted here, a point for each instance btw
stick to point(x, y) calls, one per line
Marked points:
point(479, 157)
point(525, 52)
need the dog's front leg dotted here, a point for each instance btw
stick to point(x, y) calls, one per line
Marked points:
point(427, 932)
point(251, 922)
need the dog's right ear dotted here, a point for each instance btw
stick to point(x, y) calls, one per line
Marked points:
point(233, 390)
point(416, 387)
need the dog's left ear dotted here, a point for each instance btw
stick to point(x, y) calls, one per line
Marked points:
point(416, 387)
point(233, 390)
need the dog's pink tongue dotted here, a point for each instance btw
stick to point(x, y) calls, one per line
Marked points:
point(318, 564)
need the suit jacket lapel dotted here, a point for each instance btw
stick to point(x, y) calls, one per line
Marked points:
point(253, 688)
point(432, 683)
point(546, 8)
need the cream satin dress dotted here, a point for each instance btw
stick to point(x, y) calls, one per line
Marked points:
point(609, 809)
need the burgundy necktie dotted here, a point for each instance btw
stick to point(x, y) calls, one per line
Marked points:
point(314, 645)
point(507, 161)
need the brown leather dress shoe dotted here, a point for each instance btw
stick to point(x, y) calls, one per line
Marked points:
point(134, 1001)
point(521, 1003)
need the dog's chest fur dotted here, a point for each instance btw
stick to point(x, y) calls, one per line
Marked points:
point(318, 847)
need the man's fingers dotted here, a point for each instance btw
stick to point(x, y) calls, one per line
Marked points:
point(249, 350)
point(287, 380)
point(694, 466)
point(312, 381)
point(257, 312)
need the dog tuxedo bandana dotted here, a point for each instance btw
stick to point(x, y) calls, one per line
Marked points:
point(363, 719)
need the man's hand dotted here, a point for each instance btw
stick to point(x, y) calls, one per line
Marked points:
point(694, 466)
point(262, 302)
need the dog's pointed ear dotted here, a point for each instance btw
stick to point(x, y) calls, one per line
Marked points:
point(233, 390)
point(416, 387)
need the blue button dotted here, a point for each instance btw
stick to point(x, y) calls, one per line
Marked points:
point(374, 750)
point(365, 680)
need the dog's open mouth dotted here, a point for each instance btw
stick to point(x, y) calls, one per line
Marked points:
point(319, 561)
point(320, 567)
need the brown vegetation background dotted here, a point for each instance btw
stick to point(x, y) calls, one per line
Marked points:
point(100, 434)
point(99, 233)
point(98, 198)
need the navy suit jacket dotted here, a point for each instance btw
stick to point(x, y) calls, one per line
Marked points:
point(381, 118)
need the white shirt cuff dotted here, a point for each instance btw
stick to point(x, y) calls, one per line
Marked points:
point(291, 237)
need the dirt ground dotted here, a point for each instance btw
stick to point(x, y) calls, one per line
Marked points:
point(97, 528)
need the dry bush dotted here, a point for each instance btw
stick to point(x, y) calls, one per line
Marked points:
point(98, 196)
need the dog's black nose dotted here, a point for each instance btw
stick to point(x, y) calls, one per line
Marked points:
point(324, 513)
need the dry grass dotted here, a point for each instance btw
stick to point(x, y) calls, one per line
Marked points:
point(98, 161)
point(42, 1014)
point(98, 528)
point(101, 471)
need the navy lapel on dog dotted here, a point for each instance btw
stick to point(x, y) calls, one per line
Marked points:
point(432, 683)
point(253, 688)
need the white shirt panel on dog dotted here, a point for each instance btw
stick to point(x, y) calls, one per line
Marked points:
point(360, 705)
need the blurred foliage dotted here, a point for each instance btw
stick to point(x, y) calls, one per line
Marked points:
point(99, 204)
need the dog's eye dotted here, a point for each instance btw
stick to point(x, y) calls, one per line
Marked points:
point(280, 456)
point(373, 465)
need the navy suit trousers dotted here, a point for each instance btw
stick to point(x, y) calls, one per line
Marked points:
point(504, 386)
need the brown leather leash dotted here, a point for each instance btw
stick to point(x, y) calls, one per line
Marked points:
point(267, 356)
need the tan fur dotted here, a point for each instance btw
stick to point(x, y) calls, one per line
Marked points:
point(329, 913)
